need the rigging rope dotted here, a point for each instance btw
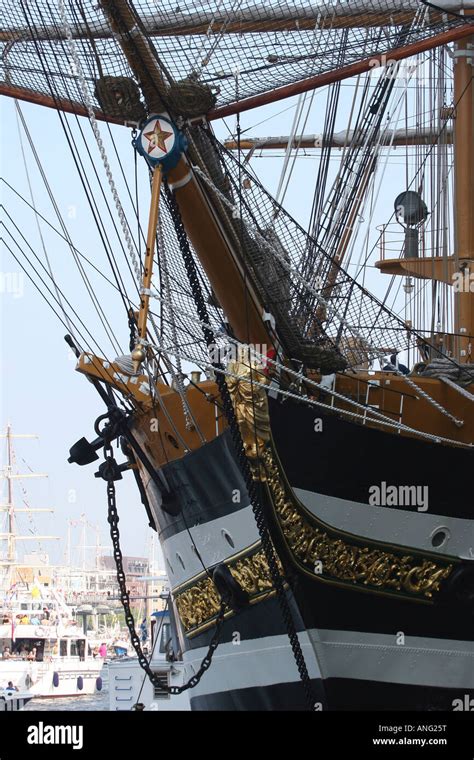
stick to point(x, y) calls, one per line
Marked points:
point(19, 115)
point(377, 419)
point(95, 128)
point(327, 304)
point(178, 375)
point(259, 514)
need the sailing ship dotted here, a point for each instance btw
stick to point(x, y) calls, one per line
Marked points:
point(310, 494)
point(44, 649)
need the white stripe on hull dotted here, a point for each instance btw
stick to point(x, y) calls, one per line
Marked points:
point(211, 542)
point(438, 663)
point(256, 662)
point(418, 661)
point(392, 524)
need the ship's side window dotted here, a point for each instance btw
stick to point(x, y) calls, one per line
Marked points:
point(165, 637)
point(63, 648)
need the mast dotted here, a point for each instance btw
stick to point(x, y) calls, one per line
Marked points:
point(464, 195)
point(11, 513)
point(11, 536)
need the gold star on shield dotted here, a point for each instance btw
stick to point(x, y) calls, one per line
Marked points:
point(157, 138)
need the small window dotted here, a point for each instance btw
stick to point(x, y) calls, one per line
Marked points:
point(165, 637)
point(63, 648)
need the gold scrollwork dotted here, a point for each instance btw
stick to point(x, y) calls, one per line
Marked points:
point(250, 404)
point(339, 560)
point(199, 605)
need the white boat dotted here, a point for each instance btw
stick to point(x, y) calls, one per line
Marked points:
point(44, 649)
point(131, 689)
point(12, 700)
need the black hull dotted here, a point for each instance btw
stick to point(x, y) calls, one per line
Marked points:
point(350, 636)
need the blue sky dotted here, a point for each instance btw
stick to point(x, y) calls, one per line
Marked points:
point(41, 393)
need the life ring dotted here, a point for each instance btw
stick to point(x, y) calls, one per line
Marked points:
point(39, 631)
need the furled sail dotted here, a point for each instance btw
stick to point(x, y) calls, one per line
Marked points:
point(217, 53)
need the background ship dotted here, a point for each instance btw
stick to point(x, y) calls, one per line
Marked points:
point(44, 646)
point(310, 495)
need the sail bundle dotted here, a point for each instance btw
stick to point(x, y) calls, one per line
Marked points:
point(349, 327)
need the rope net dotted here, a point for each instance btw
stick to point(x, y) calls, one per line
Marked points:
point(203, 45)
point(180, 329)
point(349, 327)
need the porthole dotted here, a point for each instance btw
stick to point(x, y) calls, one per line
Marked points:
point(439, 537)
point(228, 538)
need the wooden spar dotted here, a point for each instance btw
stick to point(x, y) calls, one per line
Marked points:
point(329, 77)
point(138, 53)
point(150, 252)
point(395, 138)
point(226, 275)
point(59, 104)
point(464, 195)
point(249, 21)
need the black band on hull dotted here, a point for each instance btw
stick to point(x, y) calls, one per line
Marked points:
point(275, 697)
point(345, 459)
point(343, 694)
point(201, 485)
